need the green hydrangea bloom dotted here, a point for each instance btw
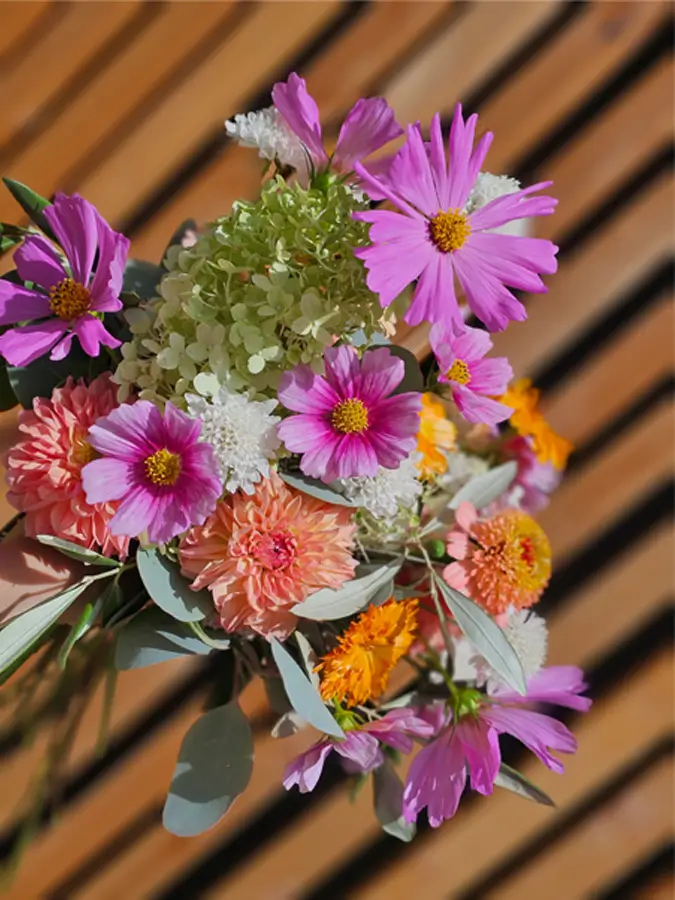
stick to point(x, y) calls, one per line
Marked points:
point(264, 288)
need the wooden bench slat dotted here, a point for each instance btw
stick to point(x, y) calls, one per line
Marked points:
point(636, 820)
point(75, 40)
point(112, 99)
point(17, 21)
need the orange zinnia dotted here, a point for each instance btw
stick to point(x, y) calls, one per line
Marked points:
point(359, 667)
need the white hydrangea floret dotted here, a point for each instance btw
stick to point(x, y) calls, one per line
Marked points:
point(489, 187)
point(383, 494)
point(242, 432)
point(267, 131)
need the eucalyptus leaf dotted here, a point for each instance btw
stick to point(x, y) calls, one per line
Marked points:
point(485, 635)
point(513, 781)
point(214, 766)
point(308, 657)
point(388, 802)
point(315, 488)
point(485, 488)
point(39, 378)
point(327, 604)
point(7, 396)
point(32, 204)
point(153, 637)
point(413, 379)
point(169, 590)
point(19, 635)
point(302, 694)
point(75, 551)
point(142, 278)
point(289, 724)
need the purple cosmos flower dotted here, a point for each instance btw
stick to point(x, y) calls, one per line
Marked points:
point(438, 773)
point(348, 424)
point(433, 238)
point(360, 749)
point(472, 379)
point(165, 480)
point(66, 299)
point(369, 125)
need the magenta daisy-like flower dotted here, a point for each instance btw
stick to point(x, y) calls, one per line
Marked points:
point(468, 745)
point(348, 423)
point(165, 479)
point(434, 238)
point(369, 125)
point(66, 299)
point(473, 380)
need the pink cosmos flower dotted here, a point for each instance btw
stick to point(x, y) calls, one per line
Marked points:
point(65, 299)
point(432, 238)
point(165, 479)
point(470, 744)
point(472, 379)
point(360, 749)
point(348, 424)
point(44, 468)
point(369, 125)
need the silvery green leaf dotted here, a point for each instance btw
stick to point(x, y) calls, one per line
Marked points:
point(513, 781)
point(19, 635)
point(74, 551)
point(388, 801)
point(288, 725)
point(153, 637)
point(485, 488)
point(326, 604)
point(304, 697)
point(485, 635)
point(169, 590)
point(413, 379)
point(315, 488)
point(308, 657)
point(214, 766)
point(384, 593)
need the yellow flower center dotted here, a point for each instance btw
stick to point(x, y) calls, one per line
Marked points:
point(449, 230)
point(69, 299)
point(163, 467)
point(82, 452)
point(459, 372)
point(350, 416)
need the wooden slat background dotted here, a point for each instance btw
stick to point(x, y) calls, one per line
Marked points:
point(124, 102)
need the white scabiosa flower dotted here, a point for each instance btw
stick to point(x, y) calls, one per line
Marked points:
point(383, 494)
point(267, 131)
point(242, 433)
point(528, 635)
point(489, 187)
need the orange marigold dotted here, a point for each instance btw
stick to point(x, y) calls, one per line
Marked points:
point(528, 421)
point(503, 561)
point(436, 433)
point(359, 667)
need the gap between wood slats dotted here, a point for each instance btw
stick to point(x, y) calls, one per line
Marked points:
point(107, 107)
point(369, 46)
point(21, 23)
point(653, 876)
point(265, 41)
point(616, 835)
point(74, 41)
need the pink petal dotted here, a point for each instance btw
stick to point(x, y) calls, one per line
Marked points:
point(438, 163)
point(128, 431)
point(435, 781)
point(91, 334)
point(305, 770)
point(299, 109)
point(361, 748)
point(136, 512)
point(37, 260)
point(489, 300)
point(343, 370)
point(381, 374)
point(394, 265)
point(457, 544)
point(107, 283)
point(18, 304)
point(384, 190)
point(478, 409)
point(107, 479)
point(62, 349)
point(456, 575)
point(301, 390)
point(472, 344)
point(305, 432)
point(466, 515)
point(369, 125)
point(518, 205)
point(481, 748)
point(490, 376)
point(536, 731)
point(21, 346)
point(435, 299)
point(411, 174)
point(516, 261)
point(74, 221)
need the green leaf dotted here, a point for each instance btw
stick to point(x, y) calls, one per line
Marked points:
point(327, 605)
point(315, 488)
point(304, 697)
point(11, 236)
point(214, 766)
point(169, 590)
point(7, 397)
point(74, 551)
point(25, 630)
point(153, 637)
point(485, 488)
point(485, 635)
point(413, 379)
point(31, 203)
point(388, 802)
point(513, 781)
point(142, 278)
point(39, 378)
point(177, 237)
point(78, 631)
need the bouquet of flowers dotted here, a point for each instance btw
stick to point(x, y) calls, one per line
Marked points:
point(246, 466)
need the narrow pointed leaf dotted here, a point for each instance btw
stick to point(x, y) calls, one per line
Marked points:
point(485, 488)
point(302, 694)
point(169, 590)
point(214, 767)
point(485, 635)
point(31, 203)
point(327, 605)
point(315, 488)
point(513, 781)
point(74, 551)
point(388, 801)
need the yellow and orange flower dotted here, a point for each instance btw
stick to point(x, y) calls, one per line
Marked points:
point(436, 433)
point(359, 667)
point(503, 561)
point(528, 421)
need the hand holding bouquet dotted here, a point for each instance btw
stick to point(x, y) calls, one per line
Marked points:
point(246, 467)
